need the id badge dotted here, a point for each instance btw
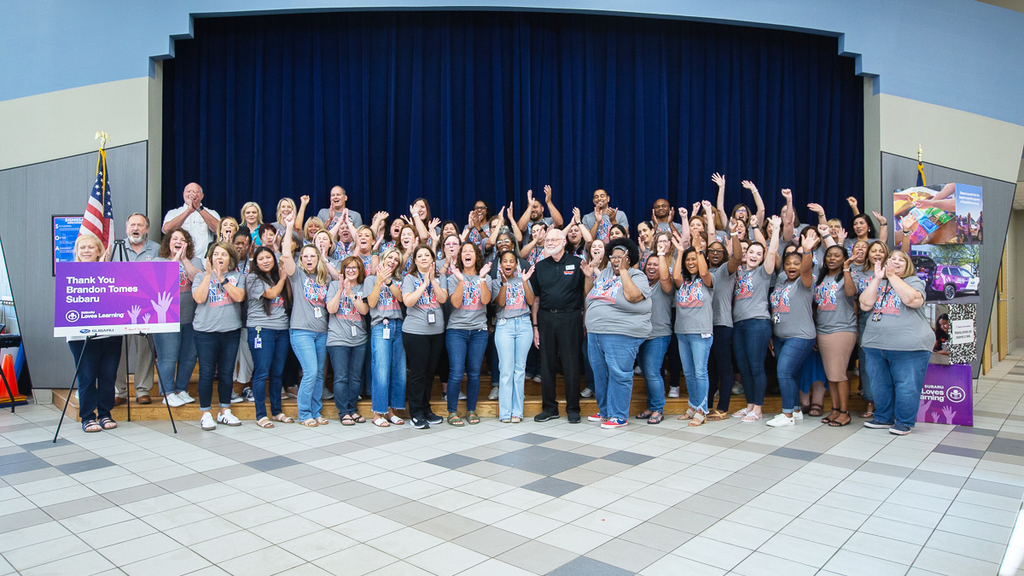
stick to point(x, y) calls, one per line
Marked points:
point(501, 321)
point(431, 318)
point(317, 312)
point(776, 319)
point(354, 333)
point(387, 333)
point(877, 316)
point(257, 343)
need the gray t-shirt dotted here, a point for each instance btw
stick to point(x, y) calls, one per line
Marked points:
point(661, 312)
point(255, 316)
point(473, 313)
point(346, 327)
point(835, 310)
point(515, 298)
point(606, 224)
point(898, 327)
point(219, 313)
point(721, 296)
point(186, 303)
point(309, 302)
point(791, 310)
point(750, 294)
point(325, 215)
point(417, 317)
point(387, 305)
point(668, 226)
point(694, 308)
point(608, 311)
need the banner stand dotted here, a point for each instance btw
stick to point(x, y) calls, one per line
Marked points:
point(10, 394)
point(78, 363)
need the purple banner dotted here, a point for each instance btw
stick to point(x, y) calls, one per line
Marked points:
point(946, 397)
point(112, 298)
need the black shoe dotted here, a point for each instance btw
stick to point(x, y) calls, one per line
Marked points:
point(545, 416)
point(434, 418)
point(574, 417)
point(419, 423)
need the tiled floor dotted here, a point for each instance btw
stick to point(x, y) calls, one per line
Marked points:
point(499, 499)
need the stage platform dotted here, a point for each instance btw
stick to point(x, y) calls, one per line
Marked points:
point(485, 408)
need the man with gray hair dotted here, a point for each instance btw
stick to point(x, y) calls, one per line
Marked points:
point(139, 248)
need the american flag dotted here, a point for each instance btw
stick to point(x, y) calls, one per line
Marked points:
point(99, 212)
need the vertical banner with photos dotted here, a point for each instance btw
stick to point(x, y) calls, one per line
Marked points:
point(945, 228)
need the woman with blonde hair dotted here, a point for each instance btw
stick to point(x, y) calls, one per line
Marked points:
point(252, 218)
point(387, 353)
point(285, 208)
point(97, 358)
point(226, 229)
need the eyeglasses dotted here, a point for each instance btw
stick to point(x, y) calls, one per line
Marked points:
point(616, 257)
point(715, 251)
point(351, 269)
point(479, 207)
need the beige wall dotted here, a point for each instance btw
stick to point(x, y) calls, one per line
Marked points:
point(950, 138)
point(64, 123)
point(1015, 279)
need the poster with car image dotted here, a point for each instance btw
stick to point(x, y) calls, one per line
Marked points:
point(936, 215)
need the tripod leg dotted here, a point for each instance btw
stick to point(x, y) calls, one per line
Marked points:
point(9, 393)
point(159, 382)
point(127, 391)
point(74, 379)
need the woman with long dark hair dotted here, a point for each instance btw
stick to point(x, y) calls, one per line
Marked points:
point(267, 326)
point(346, 338)
point(466, 335)
point(836, 322)
point(423, 292)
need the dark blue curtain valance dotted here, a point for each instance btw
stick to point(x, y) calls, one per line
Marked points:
point(455, 106)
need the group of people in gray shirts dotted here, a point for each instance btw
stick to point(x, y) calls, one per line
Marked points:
point(392, 303)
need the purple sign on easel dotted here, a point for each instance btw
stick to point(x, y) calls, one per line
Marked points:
point(114, 298)
point(946, 397)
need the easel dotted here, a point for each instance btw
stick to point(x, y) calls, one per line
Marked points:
point(120, 251)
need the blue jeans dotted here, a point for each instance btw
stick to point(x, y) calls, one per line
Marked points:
point(612, 357)
point(513, 339)
point(311, 350)
point(175, 348)
point(387, 367)
point(217, 352)
point(652, 356)
point(694, 351)
point(865, 378)
point(268, 362)
point(347, 363)
point(750, 342)
point(896, 381)
point(588, 370)
point(465, 354)
point(790, 354)
point(720, 367)
point(96, 374)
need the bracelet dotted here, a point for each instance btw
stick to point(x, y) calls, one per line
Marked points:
point(846, 269)
point(734, 234)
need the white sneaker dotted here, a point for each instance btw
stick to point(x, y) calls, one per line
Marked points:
point(798, 414)
point(185, 397)
point(235, 398)
point(327, 395)
point(173, 400)
point(206, 422)
point(673, 391)
point(737, 388)
point(228, 419)
point(494, 393)
point(462, 395)
point(780, 420)
point(587, 393)
point(637, 371)
point(536, 378)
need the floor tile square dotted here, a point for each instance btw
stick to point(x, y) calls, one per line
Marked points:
point(537, 557)
point(552, 486)
point(452, 461)
point(490, 541)
point(796, 454)
point(84, 465)
point(625, 457)
point(531, 438)
point(584, 566)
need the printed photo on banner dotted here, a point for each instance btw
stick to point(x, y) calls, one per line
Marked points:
point(945, 214)
point(951, 272)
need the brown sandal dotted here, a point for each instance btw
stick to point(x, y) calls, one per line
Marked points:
point(264, 423)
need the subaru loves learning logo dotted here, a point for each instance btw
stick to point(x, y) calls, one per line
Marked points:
point(955, 394)
point(72, 316)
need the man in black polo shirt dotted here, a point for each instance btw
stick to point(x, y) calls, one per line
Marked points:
point(558, 324)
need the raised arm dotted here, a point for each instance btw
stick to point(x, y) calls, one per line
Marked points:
point(719, 179)
point(736, 257)
point(758, 202)
point(773, 246)
point(556, 216)
point(807, 262)
point(787, 224)
point(300, 214)
point(287, 258)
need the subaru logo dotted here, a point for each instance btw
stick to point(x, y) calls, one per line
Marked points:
point(84, 331)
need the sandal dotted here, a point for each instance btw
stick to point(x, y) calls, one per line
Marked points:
point(265, 423)
point(515, 420)
point(323, 421)
point(358, 418)
point(828, 419)
point(836, 423)
point(347, 420)
point(311, 423)
point(396, 420)
point(381, 422)
point(655, 417)
point(108, 423)
point(815, 410)
point(644, 414)
point(698, 418)
point(689, 414)
point(740, 413)
point(752, 417)
point(454, 420)
point(870, 412)
point(284, 418)
point(505, 420)
point(91, 426)
point(472, 418)
point(717, 415)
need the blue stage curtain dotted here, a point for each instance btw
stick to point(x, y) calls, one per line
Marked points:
point(455, 106)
